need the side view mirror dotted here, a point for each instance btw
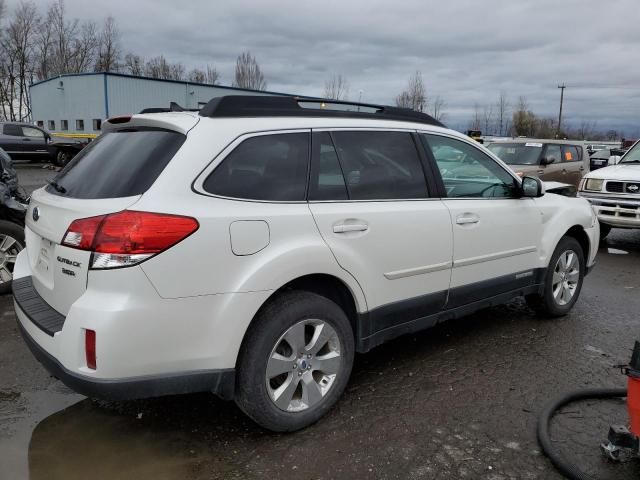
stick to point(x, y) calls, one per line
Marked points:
point(532, 187)
point(547, 160)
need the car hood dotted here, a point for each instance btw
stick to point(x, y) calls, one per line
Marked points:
point(621, 171)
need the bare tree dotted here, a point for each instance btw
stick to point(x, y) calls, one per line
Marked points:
point(612, 135)
point(134, 64)
point(437, 108)
point(17, 62)
point(524, 121)
point(63, 34)
point(248, 73)
point(108, 48)
point(414, 96)
point(336, 88)
point(586, 130)
point(502, 114)
point(487, 118)
point(84, 48)
point(213, 77)
point(546, 128)
point(158, 67)
point(177, 71)
point(476, 119)
point(210, 75)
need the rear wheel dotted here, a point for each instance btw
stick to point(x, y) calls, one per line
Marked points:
point(295, 362)
point(604, 230)
point(11, 242)
point(63, 157)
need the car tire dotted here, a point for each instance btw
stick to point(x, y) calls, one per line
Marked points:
point(16, 232)
point(563, 280)
point(277, 341)
point(62, 158)
point(604, 230)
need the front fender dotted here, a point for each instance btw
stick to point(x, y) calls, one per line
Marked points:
point(559, 215)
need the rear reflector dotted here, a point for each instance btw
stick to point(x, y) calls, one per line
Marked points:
point(128, 237)
point(90, 348)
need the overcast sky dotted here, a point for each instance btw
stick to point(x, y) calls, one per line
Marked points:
point(467, 50)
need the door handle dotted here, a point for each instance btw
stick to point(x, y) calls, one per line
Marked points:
point(540, 172)
point(467, 219)
point(350, 227)
point(26, 139)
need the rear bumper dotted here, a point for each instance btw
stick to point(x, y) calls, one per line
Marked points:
point(220, 382)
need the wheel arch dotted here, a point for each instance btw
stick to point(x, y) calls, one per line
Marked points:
point(577, 232)
point(323, 284)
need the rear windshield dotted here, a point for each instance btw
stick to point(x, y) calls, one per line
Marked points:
point(517, 153)
point(118, 164)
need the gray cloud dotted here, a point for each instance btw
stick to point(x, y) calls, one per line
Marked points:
point(466, 50)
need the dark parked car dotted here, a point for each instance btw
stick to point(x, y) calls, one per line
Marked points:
point(22, 141)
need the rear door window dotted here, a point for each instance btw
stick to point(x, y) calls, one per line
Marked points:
point(326, 179)
point(118, 164)
point(380, 165)
point(266, 167)
point(571, 153)
point(553, 152)
point(12, 130)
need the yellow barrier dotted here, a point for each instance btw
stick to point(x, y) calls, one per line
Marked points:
point(75, 135)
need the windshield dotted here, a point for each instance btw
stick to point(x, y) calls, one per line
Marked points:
point(517, 153)
point(118, 164)
point(633, 155)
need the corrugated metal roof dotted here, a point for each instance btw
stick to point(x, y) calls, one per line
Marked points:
point(138, 77)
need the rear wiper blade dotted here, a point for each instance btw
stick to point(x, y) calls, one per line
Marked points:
point(57, 187)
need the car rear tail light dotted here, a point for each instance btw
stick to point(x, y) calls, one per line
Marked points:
point(90, 348)
point(127, 238)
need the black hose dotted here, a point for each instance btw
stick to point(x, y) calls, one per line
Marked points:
point(565, 467)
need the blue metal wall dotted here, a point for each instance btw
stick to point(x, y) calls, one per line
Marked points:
point(99, 96)
point(69, 98)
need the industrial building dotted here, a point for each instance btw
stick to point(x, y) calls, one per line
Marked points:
point(76, 104)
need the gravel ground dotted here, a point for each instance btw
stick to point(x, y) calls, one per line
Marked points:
point(458, 401)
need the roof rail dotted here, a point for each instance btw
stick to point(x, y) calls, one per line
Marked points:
point(173, 107)
point(286, 106)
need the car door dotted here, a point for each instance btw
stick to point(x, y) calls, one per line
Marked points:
point(554, 170)
point(11, 140)
point(496, 234)
point(368, 195)
point(34, 143)
point(573, 164)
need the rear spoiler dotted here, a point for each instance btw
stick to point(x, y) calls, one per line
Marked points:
point(173, 107)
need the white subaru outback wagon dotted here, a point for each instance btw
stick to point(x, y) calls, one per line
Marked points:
point(250, 249)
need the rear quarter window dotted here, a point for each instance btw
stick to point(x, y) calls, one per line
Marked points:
point(118, 164)
point(266, 167)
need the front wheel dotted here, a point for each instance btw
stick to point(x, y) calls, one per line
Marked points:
point(563, 280)
point(295, 362)
point(11, 242)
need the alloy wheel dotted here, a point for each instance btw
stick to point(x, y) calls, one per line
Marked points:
point(9, 249)
point(303, 365)
point(566, 276)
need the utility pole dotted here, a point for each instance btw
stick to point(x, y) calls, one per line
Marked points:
point(561, 87)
